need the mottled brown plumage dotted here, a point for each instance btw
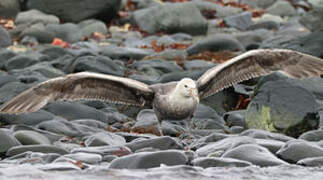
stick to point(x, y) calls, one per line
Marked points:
point(174, 100)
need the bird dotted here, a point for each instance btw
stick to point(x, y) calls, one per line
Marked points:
point(172, 100)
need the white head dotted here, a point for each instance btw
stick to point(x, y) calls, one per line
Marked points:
point(187, 88)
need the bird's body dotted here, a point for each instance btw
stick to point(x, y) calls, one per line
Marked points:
point(173, 100)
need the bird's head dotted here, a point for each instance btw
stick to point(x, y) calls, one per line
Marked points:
point(187, 88)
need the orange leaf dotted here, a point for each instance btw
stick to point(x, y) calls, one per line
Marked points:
point(60, 42)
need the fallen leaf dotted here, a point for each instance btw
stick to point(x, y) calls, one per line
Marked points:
point(60, 42)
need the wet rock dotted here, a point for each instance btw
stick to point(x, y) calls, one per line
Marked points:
point(54, 52)
point(7, 141)
point(76, 11)
point(207, 118)
point(35, 16)
point(104, 150)
point(35, 148)
point(143, 160)
point(115, 52)
point(161, 143)
point(68, 32)
point(10, 90)
point(39, 32)
point(171, 18)
point(283, 112)
point(219, 42)
point(235, 118)
point(5, 39)
point(255, 154)
point(207, 162)
point(296, 150)
point(9, 8)
point(262, 134)
point(61, 126)
point(85, 157)
point(73, 110)
point(33, 118)
point(314, 135)
point(281, 8)
point(104, 138)
point(269, 25)
point(26, 137)
point(98, 64)
point(240, 21)
point(216, 149)
point(91, 26)
point(314, 161)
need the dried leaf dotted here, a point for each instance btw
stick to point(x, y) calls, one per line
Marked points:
point(60, 42)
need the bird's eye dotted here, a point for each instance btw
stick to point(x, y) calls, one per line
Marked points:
point(185, 86)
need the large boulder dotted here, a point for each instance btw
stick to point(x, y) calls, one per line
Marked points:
point(284, 107)
point(75, 10)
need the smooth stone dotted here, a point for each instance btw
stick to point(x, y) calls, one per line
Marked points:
point(85, 157)
point(259, 3)
point(99, 64)
point(4, 79)
point(146, 160)
point(39, 32)
point(254, 154)
point(235, 118)
point(45, 69)
point(33, 118)
point(7, 140)
point(262, 134)
point(5, 54)
point(272, 145)
point(162, 143)
point(197, 64)
point(35, 16)
point(219, 42)
point(90, 26)
point(146, 122)
point(51, 136)
point(281, 8)
point(159, 65)
point(269, 25)
point(24, 60)
point(207, 162)
point(91, 123)
point(36, 148)
point(104, 139)
point(73, 110)
point(54, 52)
point(240, 21)
point(296, 150)
point(219, 10)
point(68, 32)
point(217, 149)
point(64, 127)
point(253, 38)
point(9, 8)
point(60, 166)
point(314, 135)
point(5, 39)
point(46, 157)
point(104, 150)
point(109, 158)
point(26, 137)
point(115, 52)
point(283, 112)
point(312, 19)
point(171, 18)
point(213, 137)
point(10, 90)
point(75, 11)
point(314, 161)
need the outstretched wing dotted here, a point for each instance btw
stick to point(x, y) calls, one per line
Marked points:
point(257, 63)
point(84, 85)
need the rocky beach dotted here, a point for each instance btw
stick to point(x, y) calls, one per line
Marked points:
point(269, 127)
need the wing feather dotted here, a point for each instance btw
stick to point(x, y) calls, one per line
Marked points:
point(257, 63)
point(84, 85)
